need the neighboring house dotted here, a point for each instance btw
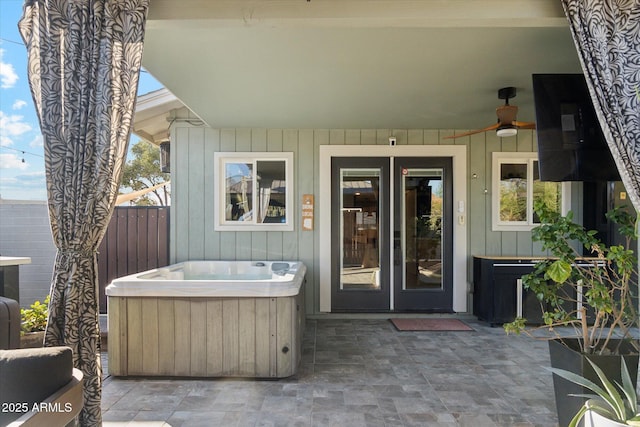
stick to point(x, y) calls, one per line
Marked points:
point(350, 102)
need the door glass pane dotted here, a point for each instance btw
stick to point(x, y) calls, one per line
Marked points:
point(422, 228)
point(360, 219)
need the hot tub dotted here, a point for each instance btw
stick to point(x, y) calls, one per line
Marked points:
point(208, 319)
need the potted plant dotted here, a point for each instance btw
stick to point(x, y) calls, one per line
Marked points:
point(611, 405)
point(594, 298)
point(34, 323)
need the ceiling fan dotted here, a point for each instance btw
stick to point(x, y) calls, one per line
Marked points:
point(507, 124)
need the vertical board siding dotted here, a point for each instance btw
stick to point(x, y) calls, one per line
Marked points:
point(211, 239)
point(243, 246)
point(182, 339)
point(155, 242)
point(197, 184)
point(230, 341)
point(247, 337)
point(493, 239)
point(150, 335)
point(273, 344)
point(166, 340)
point(214, 336)
point(198, 338)
point(180, 196)
point(262, 363)
point(205, 337)
point(193, 210)
point(134, 335)
point(136, 240)
point(115, 320)
point(285, 324)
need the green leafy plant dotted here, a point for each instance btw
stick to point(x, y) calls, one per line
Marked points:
point(616, 402)
point(594, 295)
point(34, 319)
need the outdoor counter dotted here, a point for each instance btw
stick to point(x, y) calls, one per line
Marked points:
point(10, 276)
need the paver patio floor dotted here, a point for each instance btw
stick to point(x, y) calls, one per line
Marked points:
point(361, 372)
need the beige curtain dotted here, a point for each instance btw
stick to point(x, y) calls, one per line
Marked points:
point(607, 38)
point(84, 60)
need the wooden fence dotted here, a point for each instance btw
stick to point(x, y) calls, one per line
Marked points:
point(137, 239)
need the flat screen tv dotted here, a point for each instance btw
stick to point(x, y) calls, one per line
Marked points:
point(571, 146)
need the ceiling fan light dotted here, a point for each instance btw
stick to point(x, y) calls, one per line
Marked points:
point(506, 131)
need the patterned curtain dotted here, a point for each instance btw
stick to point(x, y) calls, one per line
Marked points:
point(84, 60)
point(607, 37)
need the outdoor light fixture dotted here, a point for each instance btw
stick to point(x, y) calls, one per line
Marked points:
point(165, 161)
point(506, 131)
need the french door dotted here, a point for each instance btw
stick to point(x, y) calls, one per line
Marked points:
point(391, 230)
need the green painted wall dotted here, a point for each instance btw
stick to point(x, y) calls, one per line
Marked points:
point(192, 217)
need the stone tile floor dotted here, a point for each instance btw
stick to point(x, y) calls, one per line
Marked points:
point(361, 372)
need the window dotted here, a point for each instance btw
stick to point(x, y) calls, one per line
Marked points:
point(517, 187)
point(255, 191)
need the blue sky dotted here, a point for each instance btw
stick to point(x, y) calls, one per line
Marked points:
point(21, 150)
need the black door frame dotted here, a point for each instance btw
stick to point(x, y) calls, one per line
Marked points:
point(349, 300)
point(439, 301)
point(352, 300)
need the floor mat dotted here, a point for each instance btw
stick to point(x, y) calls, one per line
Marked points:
point(430, 325)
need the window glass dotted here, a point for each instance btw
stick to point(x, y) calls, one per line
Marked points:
point(548, 192)
point(255, 191)
point(517, 188)
point(513, 192)
point(272, 191)
point(238, 191)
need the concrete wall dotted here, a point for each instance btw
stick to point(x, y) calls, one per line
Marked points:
point(25, 232)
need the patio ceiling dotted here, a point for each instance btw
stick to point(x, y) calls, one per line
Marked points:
point(433, 64)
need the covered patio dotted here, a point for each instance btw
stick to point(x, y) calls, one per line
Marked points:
point(354, 371)
point(361, 372)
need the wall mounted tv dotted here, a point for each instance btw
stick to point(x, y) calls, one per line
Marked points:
point(571, 146)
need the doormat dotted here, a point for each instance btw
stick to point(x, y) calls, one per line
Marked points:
point(430, 325)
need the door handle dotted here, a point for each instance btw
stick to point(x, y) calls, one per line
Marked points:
point(397, 251)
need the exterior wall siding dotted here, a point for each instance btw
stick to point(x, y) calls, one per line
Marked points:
point(192, 217)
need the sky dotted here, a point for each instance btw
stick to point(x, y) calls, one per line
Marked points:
point(22, 174)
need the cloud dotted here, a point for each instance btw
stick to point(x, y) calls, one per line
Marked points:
point(18, 104)
point(37, 142)
point(27, 180)
point(29, 186)
point(12, 125)
point(32, 179)
point(8, 76)
point(12, 161)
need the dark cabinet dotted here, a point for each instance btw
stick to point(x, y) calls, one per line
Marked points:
point(498, 295)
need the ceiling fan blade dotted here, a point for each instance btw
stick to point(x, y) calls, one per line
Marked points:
point(473, 132)
point(524, 125)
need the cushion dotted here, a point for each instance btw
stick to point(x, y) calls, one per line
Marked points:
point(29, 376)
point(9, 323)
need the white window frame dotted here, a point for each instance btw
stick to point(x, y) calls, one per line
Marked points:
point(498, 158)
point(221, 159)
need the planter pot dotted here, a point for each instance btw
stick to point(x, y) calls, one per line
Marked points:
point(593, 419)
point(32, 339)
point(566, 355)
